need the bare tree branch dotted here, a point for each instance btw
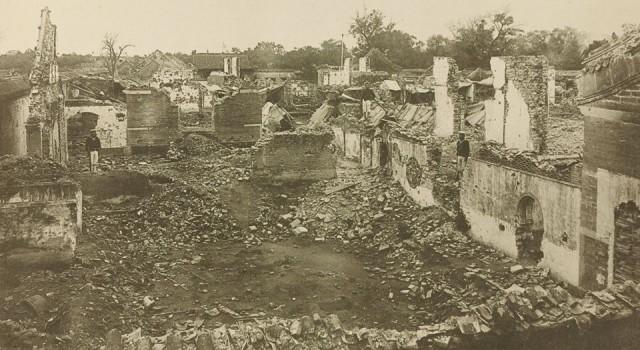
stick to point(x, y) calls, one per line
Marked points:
point(111, 54)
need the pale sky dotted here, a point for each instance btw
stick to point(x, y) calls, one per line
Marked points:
point(184, 25)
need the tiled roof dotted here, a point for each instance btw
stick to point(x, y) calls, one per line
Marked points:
point(603, 56)
point(13, 88)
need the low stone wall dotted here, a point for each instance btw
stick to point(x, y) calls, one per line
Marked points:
point(302, 155)
point(41, 216)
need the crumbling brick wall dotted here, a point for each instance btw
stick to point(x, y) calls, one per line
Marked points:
point(520, 108)
point(301, 155)
point(152, 120)
point(238, 118)
point(46, 127)
point(448, 103)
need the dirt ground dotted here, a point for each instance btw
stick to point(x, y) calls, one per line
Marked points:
point(196, 239)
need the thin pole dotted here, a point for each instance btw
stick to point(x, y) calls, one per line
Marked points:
point(342, 51)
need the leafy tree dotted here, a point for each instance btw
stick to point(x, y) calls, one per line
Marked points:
point(266, 55)
point(20, 62)
point(304, 59)
point(331, 52)
point(476, 41)
point(366, 28)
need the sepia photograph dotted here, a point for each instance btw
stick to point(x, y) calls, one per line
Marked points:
point(320, 174)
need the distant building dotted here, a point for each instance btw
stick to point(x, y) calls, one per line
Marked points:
point(231, 64)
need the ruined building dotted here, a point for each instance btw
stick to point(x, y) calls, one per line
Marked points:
point(32, 112)
point(610, 214)
point(46, 126)
point(151, 121)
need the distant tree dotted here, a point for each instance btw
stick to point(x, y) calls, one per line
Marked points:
point(304, 59)
point(401, 48)
point(438, 45)
point(266, 55)
point(331, 52)
point(592, 46)
point(111, 54)
point(73, 60)
point(565, 47)
point(366, 28)
point(20, 62)
point(477, 40)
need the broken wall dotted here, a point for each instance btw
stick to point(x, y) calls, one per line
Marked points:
point(111, 123)
point(489, 198)
point(238, 118)
point(301, 155)
point(517, 116)
point(44, 216)
point(411, 161)
point(13, 117)
point(448, 103)
point(46, 126)
point(610, 177)
point(152, 120)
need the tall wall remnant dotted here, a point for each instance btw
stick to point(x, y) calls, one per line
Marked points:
point(14, 112)
point(152, 120)
point(449, 105)
point(517, 116)
point(610, 219)
point(238, 118)
point(46, 126)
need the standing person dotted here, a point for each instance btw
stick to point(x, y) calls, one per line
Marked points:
point(92, 144)
point(462, 150)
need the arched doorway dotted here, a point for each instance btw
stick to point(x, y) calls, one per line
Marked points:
point(626, 255)
point(529, 231)
point(78, 128)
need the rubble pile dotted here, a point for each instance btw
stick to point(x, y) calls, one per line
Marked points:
point(509, 315)
point(192, 145)
point(17, 170)
point(195, 119)
point(559, 167)
point(304, 333)
point(369, 215)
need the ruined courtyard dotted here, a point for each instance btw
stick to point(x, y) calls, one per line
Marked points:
point(238, 207)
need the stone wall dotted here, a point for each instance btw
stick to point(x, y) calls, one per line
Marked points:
point(46, 126)
point(13, 134)
point(42, 216)
point(517, 116)
point(489, 198)
point(111, 126)
point(448, 103)
point(152, 120)
point(302, 155)
point(238, 118)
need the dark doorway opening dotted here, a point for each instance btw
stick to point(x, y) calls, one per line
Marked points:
point(529, 231)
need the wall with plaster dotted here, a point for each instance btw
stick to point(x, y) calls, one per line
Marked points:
point(111, 127)
point(13, 134)
point(409, 162)
point(489, 199)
